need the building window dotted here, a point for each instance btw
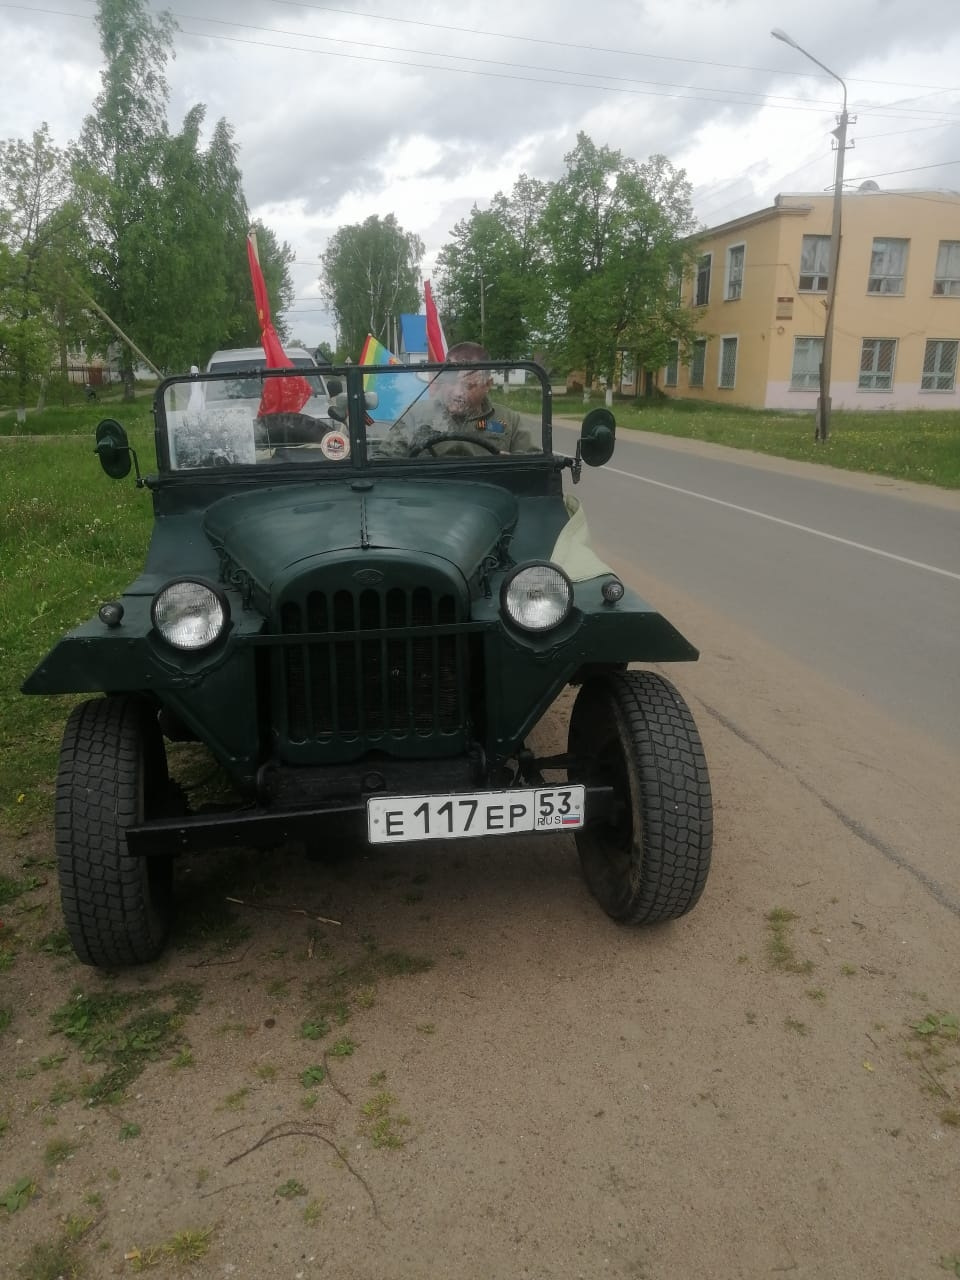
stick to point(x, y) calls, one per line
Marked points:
point(888, 265)
point(702, 293)
point(728, 362)
point(670, 376)
point(807, 354)
point(698, 362)
point(877, 356)
point(734, 272)
point(946, 279)
point(939, 365)
point(814, 264)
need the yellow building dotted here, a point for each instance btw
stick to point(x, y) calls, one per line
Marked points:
point(760, 291)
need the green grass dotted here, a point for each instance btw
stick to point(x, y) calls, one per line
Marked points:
point(124, 1031)
point(290, 1189)
point(70, 538)
point(908, 445)
point(57, 1151)
point(333, 996)
point(185, 1248)
point(779, 943)
point(380, 1124)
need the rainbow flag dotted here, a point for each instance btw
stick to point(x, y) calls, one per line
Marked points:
point(374, 352)
point(395, 392)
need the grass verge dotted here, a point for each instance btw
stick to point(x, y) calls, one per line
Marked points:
point(69, 539)
point(908, 444)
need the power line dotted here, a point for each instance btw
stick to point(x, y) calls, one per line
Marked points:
point(891, 173)
point(489, 62)
point(897, 133)
point(764, 100)
point(586, 48)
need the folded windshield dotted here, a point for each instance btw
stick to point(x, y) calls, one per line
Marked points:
point(352, 416)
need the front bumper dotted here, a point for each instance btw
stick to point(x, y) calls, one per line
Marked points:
point(264, 827)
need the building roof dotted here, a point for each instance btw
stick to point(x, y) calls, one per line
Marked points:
point(794, 203)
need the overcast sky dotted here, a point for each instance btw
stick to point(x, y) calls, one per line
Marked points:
point(342, 111)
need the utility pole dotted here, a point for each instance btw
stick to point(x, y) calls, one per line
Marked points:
point(484, 288)
point(826, 362)
point(483, 312)
point(840, 133)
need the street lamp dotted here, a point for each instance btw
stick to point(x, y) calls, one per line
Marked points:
point(840, 133)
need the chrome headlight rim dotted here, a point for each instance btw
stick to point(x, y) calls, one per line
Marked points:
point(510, 581)
point(220, 602)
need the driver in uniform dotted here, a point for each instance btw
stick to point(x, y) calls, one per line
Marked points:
point(459, 404)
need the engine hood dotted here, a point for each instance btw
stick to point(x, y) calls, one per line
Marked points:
point(268, 532)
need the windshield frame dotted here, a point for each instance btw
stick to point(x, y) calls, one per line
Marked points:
point(351, 377)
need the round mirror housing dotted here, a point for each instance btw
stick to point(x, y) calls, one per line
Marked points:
point(113, 449)
point(597, 437)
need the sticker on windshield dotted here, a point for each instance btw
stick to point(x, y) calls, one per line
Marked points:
point(335, 445)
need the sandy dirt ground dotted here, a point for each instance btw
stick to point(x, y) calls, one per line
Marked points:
point(512, 1085)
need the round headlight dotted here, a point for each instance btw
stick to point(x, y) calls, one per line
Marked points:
point(189, 614)
point(537, 597)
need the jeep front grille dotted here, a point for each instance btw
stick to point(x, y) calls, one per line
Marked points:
point(364, 674)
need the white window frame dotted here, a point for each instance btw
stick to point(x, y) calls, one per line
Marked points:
point(946, 276)
point(804, 382)
point(869, 379)
point(672, 368)
point(884, 278)
point(721, 385)
point(699, 350)
point(733, 285)
point(929, 378)
point(819, 279)
point(708, 259)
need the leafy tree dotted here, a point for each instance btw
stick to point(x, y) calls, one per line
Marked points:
point(275, 260)
point(490, 276)
point(614, 234)
point(38, 229)
point(119, 162)
point(371, 272)
point(167, 218)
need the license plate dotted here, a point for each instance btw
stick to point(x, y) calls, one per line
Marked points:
point(393, 819)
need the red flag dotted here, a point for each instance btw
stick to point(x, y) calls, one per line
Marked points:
point(436, 342)
point(280, 395)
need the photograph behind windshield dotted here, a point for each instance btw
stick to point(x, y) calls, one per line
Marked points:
point(410, 412)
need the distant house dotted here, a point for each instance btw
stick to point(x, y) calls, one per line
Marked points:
point(412, 347)
point(760, 286)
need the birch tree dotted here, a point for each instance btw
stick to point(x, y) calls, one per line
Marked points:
point(371, 274)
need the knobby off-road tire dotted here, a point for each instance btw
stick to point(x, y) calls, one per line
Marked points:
point(650, 861)
point(113, 772)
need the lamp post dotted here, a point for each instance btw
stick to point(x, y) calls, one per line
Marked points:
point(840, 133)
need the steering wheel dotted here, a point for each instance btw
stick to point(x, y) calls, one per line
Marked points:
point(441, 436)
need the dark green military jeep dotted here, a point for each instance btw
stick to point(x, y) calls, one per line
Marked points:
point(365, 610)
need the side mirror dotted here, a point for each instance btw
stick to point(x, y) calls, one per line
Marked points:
point(113, 449)
point(334, 388)
point(597, 437)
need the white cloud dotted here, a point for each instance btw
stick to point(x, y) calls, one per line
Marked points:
point(333, 132)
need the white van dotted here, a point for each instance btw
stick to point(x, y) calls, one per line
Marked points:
point(249, 360)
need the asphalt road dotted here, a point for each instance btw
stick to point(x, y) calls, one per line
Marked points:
point(856, 576)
